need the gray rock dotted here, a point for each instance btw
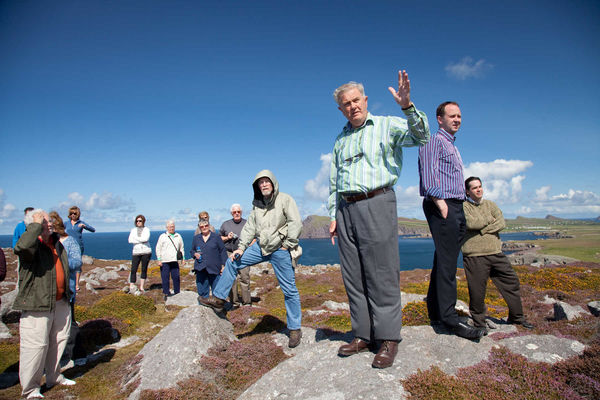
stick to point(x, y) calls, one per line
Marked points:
point(546, 348)
point(4, 331)
point(109, 276)
point(174, 354)
point(8, 299)
point(333, 305)
point(594, 307)
point(87, 260)
point(316, 372)
point(185, 299)
point(88, 286)
point(411, 298)
point(566, 311)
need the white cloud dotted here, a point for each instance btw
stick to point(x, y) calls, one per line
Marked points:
point(501, 178)
point(318, 187)
point(572, 204)
point(542, 193)
point(468, 68)
point(104, 201)
point(409, 202)
point(8, 212)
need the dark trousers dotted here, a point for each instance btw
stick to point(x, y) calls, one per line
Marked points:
point(172, 269)
point(370, 264)
point(135, 262)
point(496, 266)
point(205, 282)
point(447, 236)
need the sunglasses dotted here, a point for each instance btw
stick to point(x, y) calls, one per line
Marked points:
point(236, 212)
point(138, 220)
point(73, 213)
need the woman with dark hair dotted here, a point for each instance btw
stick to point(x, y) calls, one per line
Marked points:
point(140, 238)
point(75, 226)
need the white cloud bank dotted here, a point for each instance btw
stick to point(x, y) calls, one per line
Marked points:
point(318, 187)
point(502, 179)
point(468, 68)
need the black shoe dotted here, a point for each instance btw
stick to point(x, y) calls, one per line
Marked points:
point(465, 331)
point(524, 323)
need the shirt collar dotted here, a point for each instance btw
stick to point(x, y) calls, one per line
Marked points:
point(368, 120)
point(451, 138)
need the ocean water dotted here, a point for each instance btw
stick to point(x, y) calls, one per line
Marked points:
point(414, 252)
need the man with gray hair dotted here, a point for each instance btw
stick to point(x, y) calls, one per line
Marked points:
point(365, 165)
point(230, 234)
point(43, 299)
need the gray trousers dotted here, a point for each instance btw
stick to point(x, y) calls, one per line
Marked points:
point(370, 263)
point(496, 266)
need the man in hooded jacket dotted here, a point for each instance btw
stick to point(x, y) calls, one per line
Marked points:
point(275, 223)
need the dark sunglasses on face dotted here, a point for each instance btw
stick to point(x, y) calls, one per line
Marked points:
point(139, 220)
point(236, 212)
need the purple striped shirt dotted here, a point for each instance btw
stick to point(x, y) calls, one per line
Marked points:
point(441, 168)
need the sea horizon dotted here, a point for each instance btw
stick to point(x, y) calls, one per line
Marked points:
point(415, 253)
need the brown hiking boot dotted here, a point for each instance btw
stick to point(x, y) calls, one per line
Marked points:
point(295, 336)
point(213, 302)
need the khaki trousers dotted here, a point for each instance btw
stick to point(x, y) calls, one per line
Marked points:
point(243, 278)
point(44, 336)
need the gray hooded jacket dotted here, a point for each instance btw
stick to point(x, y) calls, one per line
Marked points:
point(275, 222)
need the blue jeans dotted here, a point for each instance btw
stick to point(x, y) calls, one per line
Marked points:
point(282, 264)
point(205, 282)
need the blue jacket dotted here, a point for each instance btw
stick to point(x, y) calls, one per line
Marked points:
point(75, 231)
point(214, 254)
point(74, 256)
point(19, 230)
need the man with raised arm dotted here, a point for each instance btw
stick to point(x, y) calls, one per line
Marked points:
point(441, 185)
point(365, 165)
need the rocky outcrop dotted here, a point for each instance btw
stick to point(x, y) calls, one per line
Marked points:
point(174, 354)
point(316, 372)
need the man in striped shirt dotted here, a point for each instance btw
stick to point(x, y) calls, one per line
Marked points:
point(441, 185)
point(365, 165)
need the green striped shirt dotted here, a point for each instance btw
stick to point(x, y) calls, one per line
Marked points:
point(370, 157)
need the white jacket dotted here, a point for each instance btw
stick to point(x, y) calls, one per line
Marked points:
point(165, 251)
point(140, 240)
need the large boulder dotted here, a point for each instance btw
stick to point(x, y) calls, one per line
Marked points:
point(566, 311)
point(174, 354)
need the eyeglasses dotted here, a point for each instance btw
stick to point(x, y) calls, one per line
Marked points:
point(236, 212)
point(72, 213)
point(138, 220)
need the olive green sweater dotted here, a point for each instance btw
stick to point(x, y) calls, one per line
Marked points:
point(484, 222)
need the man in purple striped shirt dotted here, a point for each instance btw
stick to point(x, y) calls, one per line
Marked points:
point(442, 186)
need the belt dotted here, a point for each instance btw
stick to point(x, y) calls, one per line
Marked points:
point(354, 197)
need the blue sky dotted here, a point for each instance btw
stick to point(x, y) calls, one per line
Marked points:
point(166, 108)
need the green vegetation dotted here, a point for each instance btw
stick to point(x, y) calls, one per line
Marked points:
point(123, 307)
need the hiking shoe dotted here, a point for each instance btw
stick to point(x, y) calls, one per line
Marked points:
point(213, 302)
point(295, 336)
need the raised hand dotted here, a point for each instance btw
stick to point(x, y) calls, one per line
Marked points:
point(402, 95)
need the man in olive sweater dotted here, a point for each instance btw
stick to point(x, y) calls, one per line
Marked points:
point(483, 257)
